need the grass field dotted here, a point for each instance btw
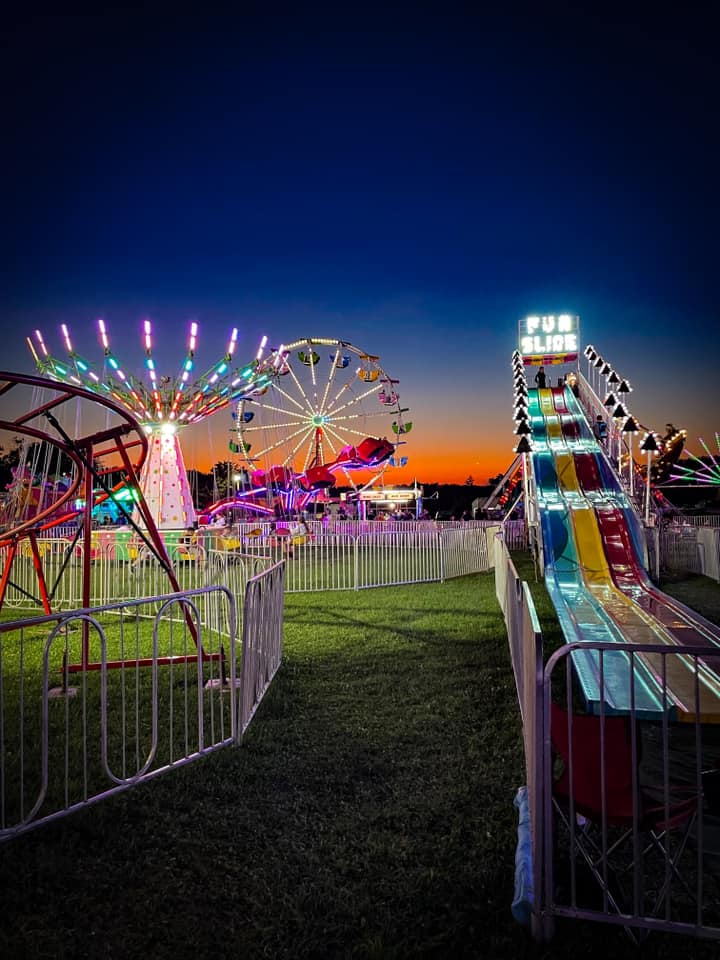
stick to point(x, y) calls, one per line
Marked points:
point(368, 813)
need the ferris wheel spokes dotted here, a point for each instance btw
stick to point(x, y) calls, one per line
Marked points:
point(311, 418)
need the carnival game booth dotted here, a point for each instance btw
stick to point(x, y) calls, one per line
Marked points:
point(391, 503)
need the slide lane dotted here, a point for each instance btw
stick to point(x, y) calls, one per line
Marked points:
point(642, 612)
point(581, 612)
point(608, 543)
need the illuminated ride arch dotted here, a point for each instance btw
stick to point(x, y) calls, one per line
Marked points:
point(329, 415)
point(123, 448)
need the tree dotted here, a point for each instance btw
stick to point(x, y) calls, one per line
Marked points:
point(9, 459)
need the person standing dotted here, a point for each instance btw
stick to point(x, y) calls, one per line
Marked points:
point(600, 430)
point(540, 378)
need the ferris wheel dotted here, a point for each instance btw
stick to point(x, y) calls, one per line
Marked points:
point(329, 415)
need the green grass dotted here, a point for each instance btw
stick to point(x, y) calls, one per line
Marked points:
point(368, 813)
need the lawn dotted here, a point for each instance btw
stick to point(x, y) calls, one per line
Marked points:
point(368, 812)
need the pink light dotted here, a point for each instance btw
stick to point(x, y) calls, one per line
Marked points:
point(66, 337)
point(193, 337)
point(41, 342)
point(103, 334)
point(233, 341)
point(261, 349)
point(148, 335)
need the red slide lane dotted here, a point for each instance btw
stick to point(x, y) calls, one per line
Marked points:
point(625, 568)
point(570, 426)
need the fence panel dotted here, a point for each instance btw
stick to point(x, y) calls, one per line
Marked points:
point(386, 558)
point(526, 654)
point(468, 549)
point(632, 824)
point(679, 549)
point(94, 701)
point(262, 640)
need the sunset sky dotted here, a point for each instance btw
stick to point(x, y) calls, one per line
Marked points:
point(412, 179)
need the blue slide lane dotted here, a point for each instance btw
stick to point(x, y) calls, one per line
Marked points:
point(581, 615)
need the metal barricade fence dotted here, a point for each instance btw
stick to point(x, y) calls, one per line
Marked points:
point(341, 556)
point(262, 640)
point(526, 654)
point(679, 549)
point(96, 700)
point(386, 558)
point(515, 533)
point(708, 539)
point(702, 520)
point(631, 829)
point(675, 778)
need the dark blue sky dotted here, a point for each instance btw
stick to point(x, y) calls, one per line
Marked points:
point(412, 180)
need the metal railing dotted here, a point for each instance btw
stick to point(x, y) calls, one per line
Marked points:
point(671, 760)
point(526, 655)
point(680, 546)
point(97, 700)
point(344, 555)
point(262, 640)
point(655, 864)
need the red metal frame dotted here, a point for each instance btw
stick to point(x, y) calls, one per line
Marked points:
point(82, 451)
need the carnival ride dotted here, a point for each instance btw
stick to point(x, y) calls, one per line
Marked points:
point(329, 415)
point(698, 470)
point(593, 554)
point(48, 410)
point(507, 492)
point(162, 405)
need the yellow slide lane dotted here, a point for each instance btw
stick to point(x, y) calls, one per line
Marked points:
point(635, 624)
point(638, 626)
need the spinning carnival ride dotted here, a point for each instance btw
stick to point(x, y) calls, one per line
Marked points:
point(162, 405)
point(329, 415)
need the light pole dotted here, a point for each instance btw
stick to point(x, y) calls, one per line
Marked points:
point(598, 366)
point(619, 413)
point(524, 448)
point(630, 427)
point(649, 446)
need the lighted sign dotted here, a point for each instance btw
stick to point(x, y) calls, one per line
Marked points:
point(549, 334)
point(389, 495)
